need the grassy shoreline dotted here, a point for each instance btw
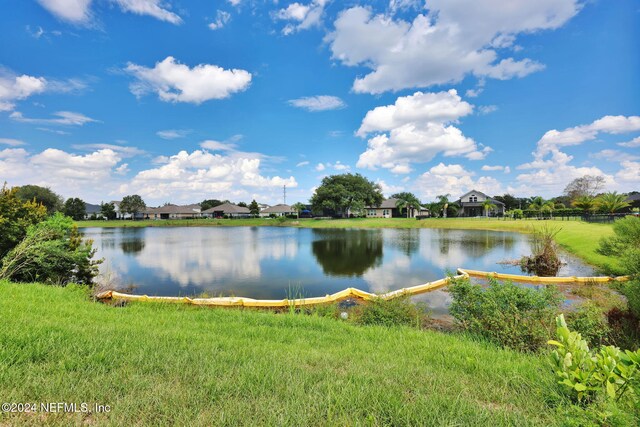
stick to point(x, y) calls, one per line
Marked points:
point(577, 237)
point(177, 365)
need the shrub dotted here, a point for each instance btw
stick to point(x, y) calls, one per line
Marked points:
point(624, 244)
point(512, 316)
point(16, 216)
point(585, 374)
point(52, 252)
point(590, 321)
point(389, 312)
point(624, 328)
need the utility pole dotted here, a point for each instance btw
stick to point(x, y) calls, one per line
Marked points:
point(284, 194)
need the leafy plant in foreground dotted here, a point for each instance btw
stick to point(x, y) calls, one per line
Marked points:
point(585, 374)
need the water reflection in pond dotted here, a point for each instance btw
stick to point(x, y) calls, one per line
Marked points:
point(266, 262)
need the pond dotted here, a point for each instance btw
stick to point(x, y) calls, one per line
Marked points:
point(280, 262)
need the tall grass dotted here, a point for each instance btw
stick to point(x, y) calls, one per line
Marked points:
point(544, 259)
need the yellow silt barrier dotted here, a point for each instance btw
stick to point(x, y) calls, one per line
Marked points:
point(350, 292)
point(543, 280)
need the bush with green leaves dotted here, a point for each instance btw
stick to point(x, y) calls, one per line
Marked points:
point(591, 322)
point(52, 252)
point(509, 315)
point(624, 244)
point(16, 216)
point(586, 374)
point(389, 312)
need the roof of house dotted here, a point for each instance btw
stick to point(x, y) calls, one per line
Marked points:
point(175, 209)
point(92, 209)
point(228, 208)
point(492, 200)
point(389, 204)
point(281, 208)
point(633, 197)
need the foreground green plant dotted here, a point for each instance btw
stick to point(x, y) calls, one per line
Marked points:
point(585, 374)
point(504, 313)
point(53, 252)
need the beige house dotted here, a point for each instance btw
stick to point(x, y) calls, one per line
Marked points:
point(173, 212)
point(388, 209)
point(278, 210)
point(227, 209)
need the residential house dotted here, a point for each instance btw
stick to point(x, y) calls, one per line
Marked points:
point(388, 209)
point(92, 211)
point(227, 209)
point(278, 210)
point(170, 211)
point(633, 200)
point(471, 205)
point(125, 215)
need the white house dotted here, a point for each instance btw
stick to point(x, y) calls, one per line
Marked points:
point(471, 204)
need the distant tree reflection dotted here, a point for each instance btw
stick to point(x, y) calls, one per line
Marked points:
point(347, 252)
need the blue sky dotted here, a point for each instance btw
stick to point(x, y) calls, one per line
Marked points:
point(180, 101)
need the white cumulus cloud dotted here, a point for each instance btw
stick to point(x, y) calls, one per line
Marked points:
point(455, 180)
point(175, 82)
point(301, 16)
point(201, 174)
point(88, 176)
point(14, 88)
point(414, 130)
point(453, 39)
point(579, 134)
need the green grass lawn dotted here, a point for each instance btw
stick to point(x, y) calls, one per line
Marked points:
point(178, 365)
point(578, 237)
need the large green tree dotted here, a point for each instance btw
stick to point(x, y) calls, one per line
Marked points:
point(254, 208)
point(108, 210)
point(75, 208)
point(16, 216)
point(406, 200)
point(43, 195)
point(346, 192)
point(132, 204)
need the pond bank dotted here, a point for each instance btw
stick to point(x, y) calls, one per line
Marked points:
point(577, 237)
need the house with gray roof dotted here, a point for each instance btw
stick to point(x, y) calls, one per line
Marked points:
point(227, 209)
point(171, 211)
point(471, 205)
point(278, 210)
point(388, 209)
